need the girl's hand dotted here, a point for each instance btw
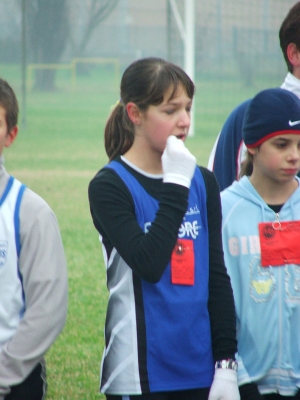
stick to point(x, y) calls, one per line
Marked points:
point(224, 386)
point(178, 163)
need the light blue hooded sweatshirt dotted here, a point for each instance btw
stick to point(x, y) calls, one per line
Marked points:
point(267, 299)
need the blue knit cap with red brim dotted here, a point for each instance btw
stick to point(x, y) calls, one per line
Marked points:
point(270, 113)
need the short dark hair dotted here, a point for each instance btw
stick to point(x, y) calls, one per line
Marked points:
point(145, 82)
point(9, 102)
point(290, 32)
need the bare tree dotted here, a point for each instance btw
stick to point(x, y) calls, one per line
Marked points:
point(95, 11)
point(49, 24)
point(48, 32)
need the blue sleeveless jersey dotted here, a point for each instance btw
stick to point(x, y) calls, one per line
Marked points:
point(170, 338)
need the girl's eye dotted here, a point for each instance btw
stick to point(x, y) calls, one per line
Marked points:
point(280, 145)
point(169, 112)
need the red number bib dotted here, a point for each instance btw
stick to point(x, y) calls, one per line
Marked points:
point(182, 263)
point(279, 243)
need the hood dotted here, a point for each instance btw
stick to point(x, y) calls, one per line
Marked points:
point(244, 190)
point(292, 84)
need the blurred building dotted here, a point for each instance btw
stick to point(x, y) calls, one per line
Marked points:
point(229, 33)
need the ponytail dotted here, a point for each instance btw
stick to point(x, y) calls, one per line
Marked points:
point(118, 133)
point(247, 165)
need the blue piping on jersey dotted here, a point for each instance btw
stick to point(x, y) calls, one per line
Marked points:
point(17, 238)
point(7, 189)
point(17, 219)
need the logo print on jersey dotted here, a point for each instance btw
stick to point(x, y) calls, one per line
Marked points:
point(3, 252)
point(189, 229)
point(193, 210)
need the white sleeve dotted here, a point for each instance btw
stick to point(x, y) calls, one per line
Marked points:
point(211, 159)
point(43, 268)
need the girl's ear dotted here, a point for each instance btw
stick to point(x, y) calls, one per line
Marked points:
point(10, 137)
point(134, 113)
point(252, 150)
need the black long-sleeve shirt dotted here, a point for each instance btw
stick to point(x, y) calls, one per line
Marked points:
point(113, 212)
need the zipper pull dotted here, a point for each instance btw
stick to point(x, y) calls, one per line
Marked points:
point(276, 224)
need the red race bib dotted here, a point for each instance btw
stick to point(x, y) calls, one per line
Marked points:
point(279, 243)
point(182, 263)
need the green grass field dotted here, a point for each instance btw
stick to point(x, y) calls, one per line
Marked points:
point(57, 155)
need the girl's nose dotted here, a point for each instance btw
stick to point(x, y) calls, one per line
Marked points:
point(294, 154)
point(185, 118)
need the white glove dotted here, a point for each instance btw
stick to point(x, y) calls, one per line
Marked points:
point(178, 163)
point(224, 386)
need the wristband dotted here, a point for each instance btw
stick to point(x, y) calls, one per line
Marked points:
point(227, 364)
